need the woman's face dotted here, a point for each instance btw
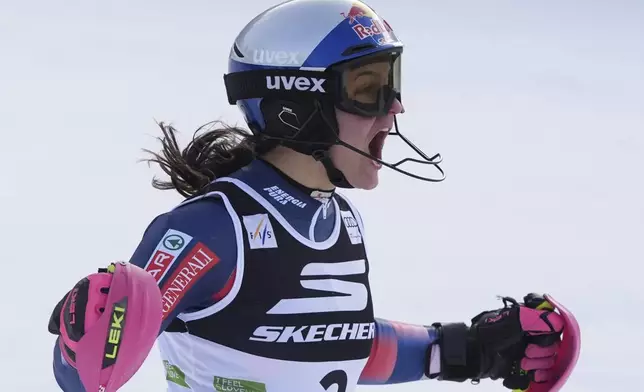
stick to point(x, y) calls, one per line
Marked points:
point(364, 133)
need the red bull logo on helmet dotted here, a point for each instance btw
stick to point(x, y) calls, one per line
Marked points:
point(365, 23)
point(376, 28)
point(356, 11)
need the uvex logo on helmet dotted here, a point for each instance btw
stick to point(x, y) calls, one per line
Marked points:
point(301, 83)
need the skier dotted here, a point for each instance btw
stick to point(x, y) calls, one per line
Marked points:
point(262, 273)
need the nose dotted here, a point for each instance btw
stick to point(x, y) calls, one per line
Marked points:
point(397, 107)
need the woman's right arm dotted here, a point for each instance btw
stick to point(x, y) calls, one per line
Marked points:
point(201, 230)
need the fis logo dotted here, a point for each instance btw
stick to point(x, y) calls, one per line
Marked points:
point(301, 83)
point(115, 333)
point(260, 231)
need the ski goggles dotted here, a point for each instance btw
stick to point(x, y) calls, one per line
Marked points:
point(367, 86)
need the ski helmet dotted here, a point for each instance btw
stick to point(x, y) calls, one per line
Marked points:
point(288, 72)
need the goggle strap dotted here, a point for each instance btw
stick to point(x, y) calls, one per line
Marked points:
point(288, 84)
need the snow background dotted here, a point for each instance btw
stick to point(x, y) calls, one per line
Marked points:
point(536, 107)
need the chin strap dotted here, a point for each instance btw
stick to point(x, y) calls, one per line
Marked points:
point(336, 177)
point(317, 134)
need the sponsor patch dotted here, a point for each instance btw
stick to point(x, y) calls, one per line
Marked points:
point(115, 333)
point(166, 252)
point(174, 374)
point(191, 268)
point(260, 231)
point(283, 197)
point(223, 384)
point(352, 227)
point(314, 333)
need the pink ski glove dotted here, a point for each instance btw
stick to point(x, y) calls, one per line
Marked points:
point(79, 310)
point(107, 325)
point(517, 343)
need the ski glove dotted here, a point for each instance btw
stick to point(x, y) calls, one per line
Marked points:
point(79, 310)
point(516, 343)
point(107, 325)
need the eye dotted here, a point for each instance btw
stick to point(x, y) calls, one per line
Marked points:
point(368, 88)
point(367, 94)
point(365, 89)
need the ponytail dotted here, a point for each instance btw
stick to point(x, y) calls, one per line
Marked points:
point(216, 152)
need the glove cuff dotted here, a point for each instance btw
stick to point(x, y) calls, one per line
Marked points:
point(458, 355)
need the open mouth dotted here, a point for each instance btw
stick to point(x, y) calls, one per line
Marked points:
point(377, 143)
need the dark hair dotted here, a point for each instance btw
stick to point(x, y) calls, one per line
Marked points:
point(214, 151)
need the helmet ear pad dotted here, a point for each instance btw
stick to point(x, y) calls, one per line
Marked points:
point(306, 126)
